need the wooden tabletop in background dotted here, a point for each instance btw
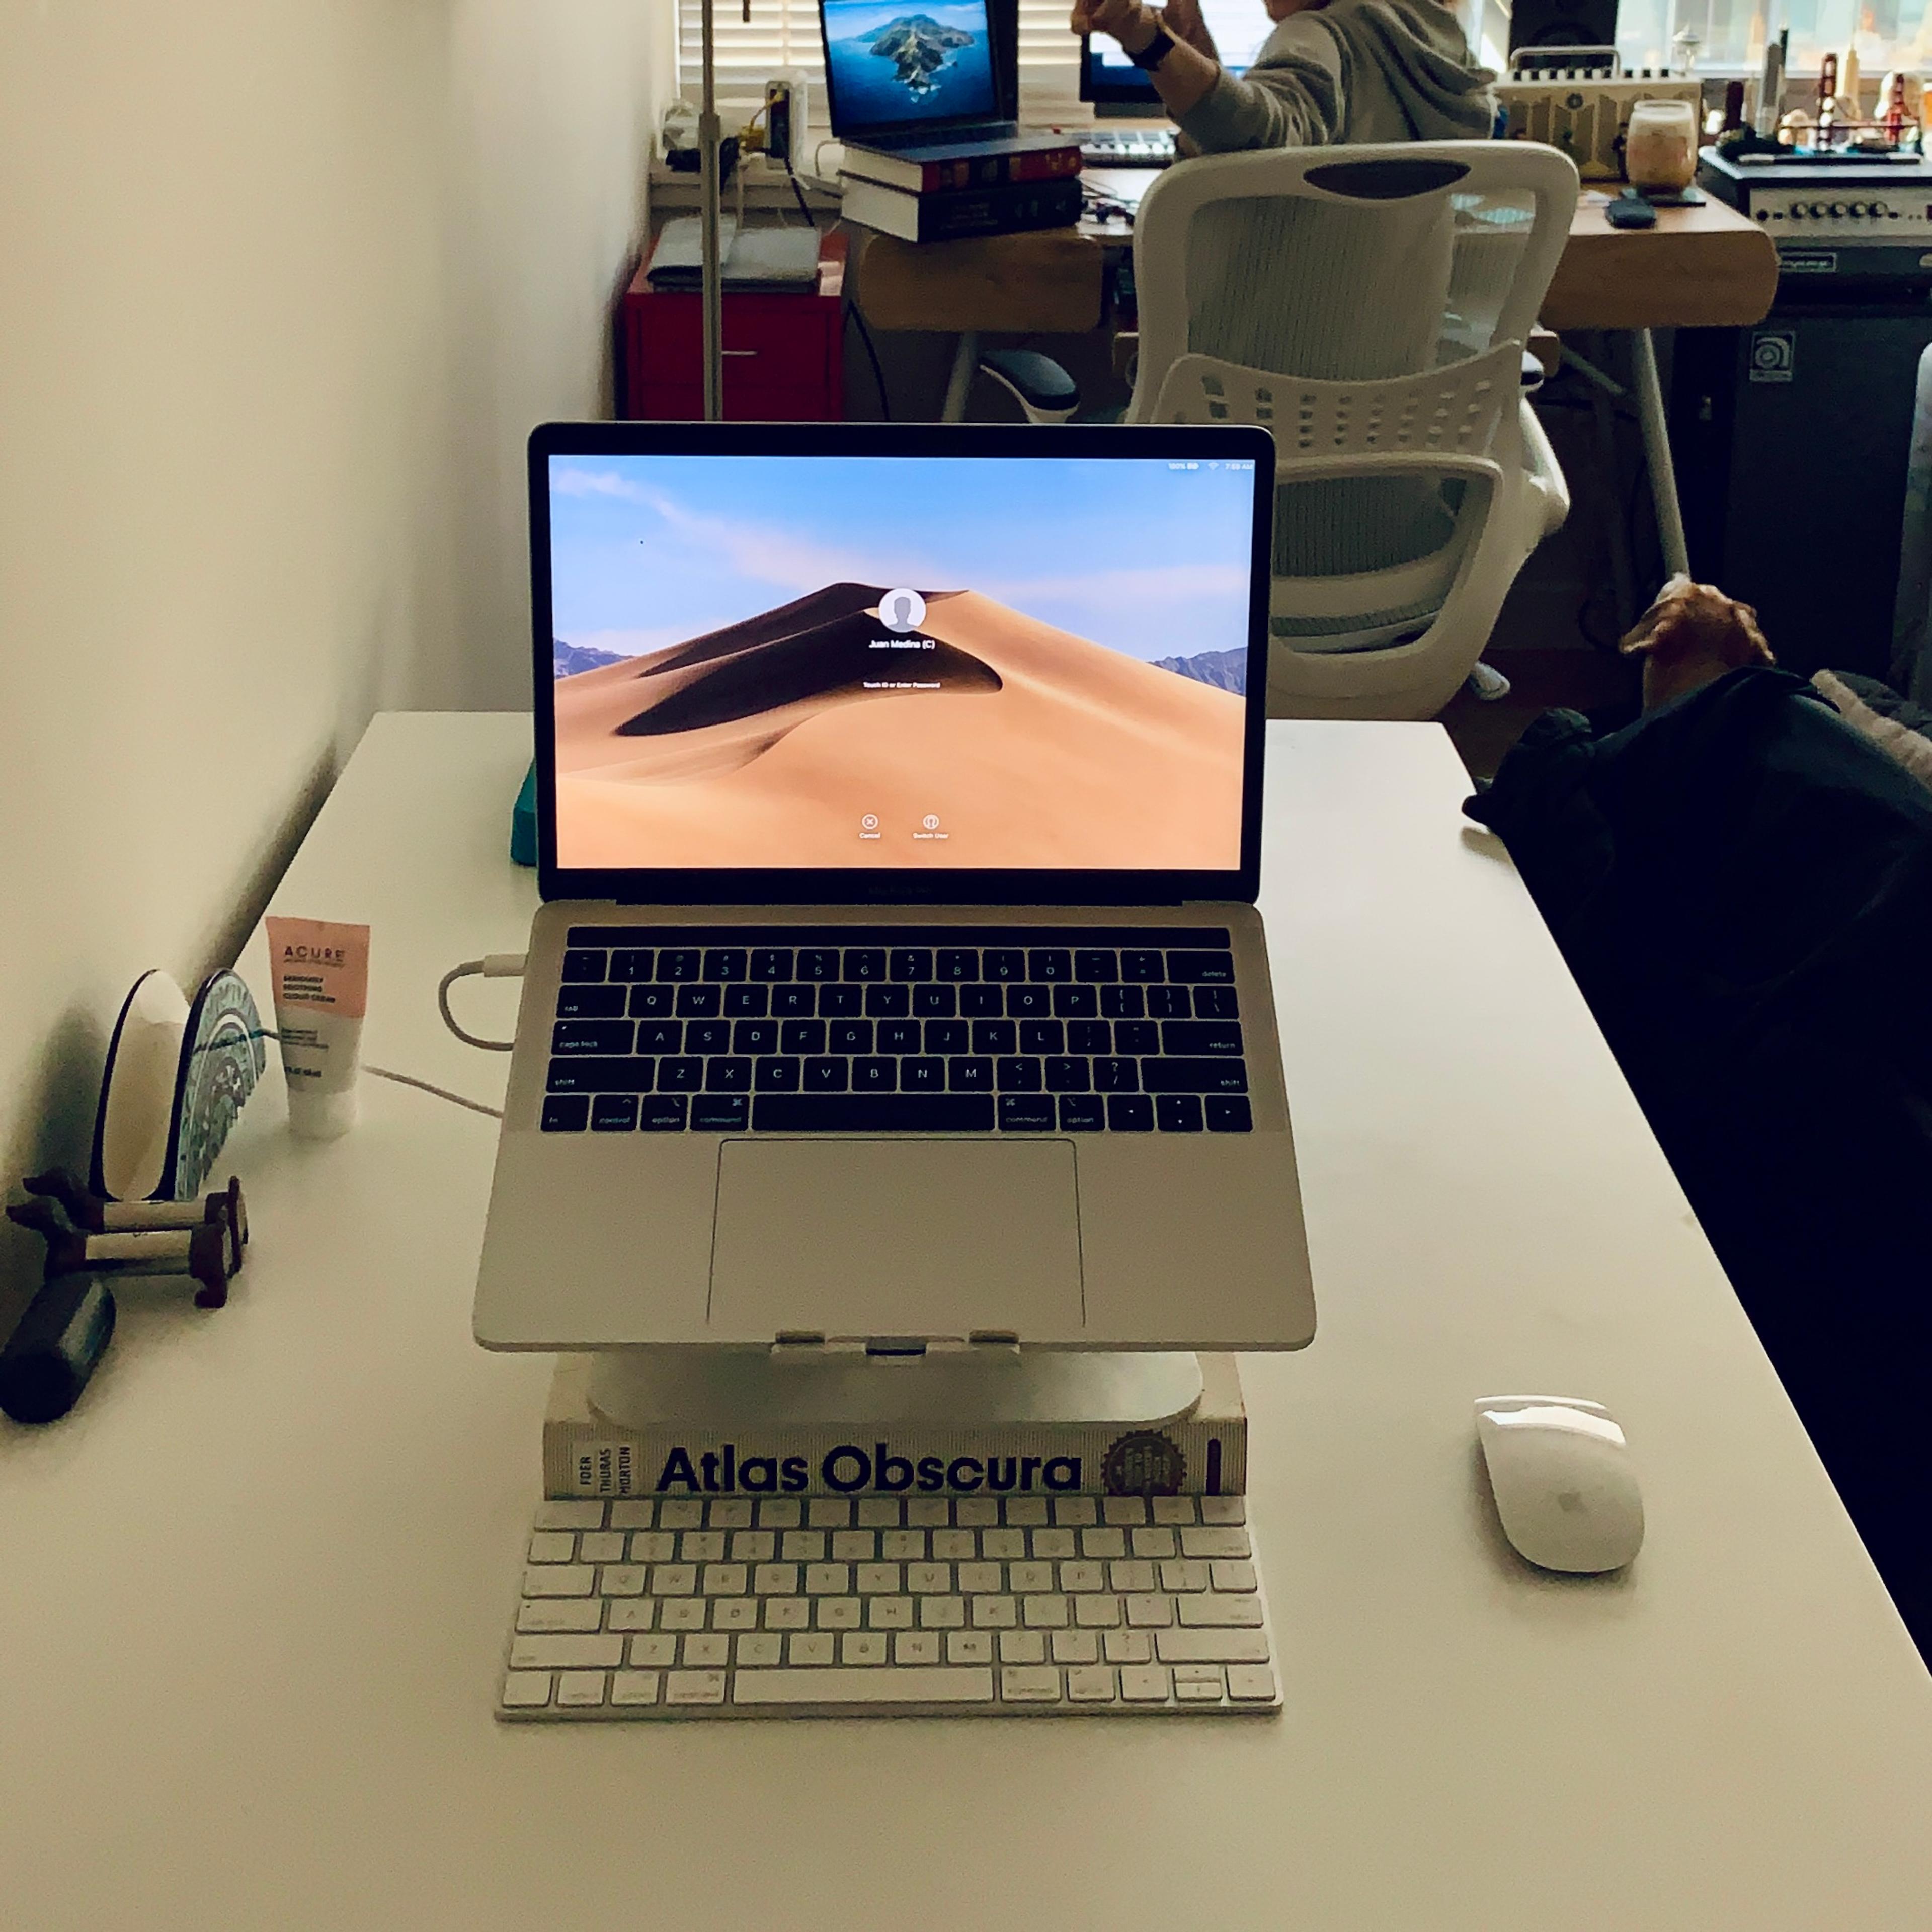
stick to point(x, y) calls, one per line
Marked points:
point(1699, 267)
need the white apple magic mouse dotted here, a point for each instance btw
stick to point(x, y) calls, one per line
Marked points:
point(1564, 1488)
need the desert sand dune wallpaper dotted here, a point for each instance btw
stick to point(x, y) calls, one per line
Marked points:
point(810, 732)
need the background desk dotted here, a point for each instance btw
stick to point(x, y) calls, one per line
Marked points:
point(254, 1592)
point(1699, 267)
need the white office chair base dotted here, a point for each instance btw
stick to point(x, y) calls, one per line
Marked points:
point(1044, 392)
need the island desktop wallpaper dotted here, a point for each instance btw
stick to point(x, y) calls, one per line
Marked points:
point(890, 65)
point(871, 662)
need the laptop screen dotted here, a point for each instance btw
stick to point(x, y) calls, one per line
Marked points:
point(905, 662)
point(894, 70)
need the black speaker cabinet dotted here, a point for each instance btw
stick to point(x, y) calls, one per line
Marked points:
point(1563, 23)
point(1791, 441)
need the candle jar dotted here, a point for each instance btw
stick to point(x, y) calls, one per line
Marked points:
point(1660, 146)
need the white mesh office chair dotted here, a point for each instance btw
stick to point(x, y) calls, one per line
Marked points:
point(1370, 305)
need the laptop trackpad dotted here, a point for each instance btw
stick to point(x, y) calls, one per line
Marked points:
point(916, 1238)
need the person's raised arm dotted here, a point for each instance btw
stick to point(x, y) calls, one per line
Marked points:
point(1186, 74)
point(1292, 99)
point(1184, 20)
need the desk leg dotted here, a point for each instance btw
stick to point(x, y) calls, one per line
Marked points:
point(1604, 391)
point(1656, 455)
point(965, 366)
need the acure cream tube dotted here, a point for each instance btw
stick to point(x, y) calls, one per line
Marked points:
point(322, 990)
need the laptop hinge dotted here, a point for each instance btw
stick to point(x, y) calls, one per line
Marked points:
point(802, 1344)
point(934, 898)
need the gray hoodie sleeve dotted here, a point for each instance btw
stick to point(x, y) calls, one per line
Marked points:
point(1350, 71)
point(1292, 97)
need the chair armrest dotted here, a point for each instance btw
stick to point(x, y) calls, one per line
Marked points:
point(1390, 463)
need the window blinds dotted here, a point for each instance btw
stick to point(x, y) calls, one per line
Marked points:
point(1049, 64)
point(783, 34)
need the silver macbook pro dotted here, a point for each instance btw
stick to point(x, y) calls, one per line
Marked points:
point(899, 979)
point(909, 82)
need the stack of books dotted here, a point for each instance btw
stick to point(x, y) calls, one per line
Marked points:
point(942, 193)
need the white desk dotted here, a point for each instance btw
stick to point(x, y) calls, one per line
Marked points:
point(253, 1593)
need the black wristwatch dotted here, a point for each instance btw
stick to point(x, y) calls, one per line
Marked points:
point(1155, 51)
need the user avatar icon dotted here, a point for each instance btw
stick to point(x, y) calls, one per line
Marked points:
point(902, 611)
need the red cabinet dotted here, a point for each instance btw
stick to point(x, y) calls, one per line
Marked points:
point(784, 354)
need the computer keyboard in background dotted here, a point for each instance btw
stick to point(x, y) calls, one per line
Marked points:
point(742, 1606)
point(903, 1029)
point(1127, 147)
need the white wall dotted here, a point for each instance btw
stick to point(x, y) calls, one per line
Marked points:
point(283, 287)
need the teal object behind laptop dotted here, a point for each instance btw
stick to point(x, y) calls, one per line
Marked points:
point(523, 822)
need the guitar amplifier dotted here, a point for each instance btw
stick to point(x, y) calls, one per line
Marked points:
point(1793, 437)
point(1835, 219)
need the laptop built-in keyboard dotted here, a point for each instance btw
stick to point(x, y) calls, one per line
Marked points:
point(901, 1029)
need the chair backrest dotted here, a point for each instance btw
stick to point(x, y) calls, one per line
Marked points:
point(1347, 265)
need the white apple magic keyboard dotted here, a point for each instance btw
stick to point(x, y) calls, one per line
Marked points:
point(736, 1607)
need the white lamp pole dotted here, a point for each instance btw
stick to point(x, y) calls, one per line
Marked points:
point(708, 140)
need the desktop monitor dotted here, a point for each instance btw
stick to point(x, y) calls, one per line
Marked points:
point(896, 71)
point(1109, 80)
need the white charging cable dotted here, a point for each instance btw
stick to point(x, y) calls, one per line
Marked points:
point(425, 1086)
point(408, 1080)
point(491, 966)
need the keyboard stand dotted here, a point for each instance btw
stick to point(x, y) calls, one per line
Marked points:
point(972, 1385)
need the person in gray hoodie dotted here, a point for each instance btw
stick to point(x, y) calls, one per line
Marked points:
point(1333, 70)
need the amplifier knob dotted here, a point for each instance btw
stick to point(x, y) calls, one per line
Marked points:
point(1838, 207)
point(1858, 207)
